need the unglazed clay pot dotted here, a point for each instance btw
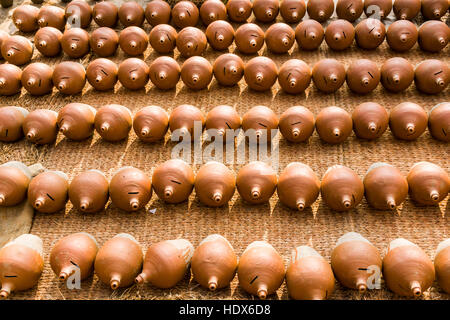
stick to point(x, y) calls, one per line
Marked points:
point(407, 270)
point(196, 73)
point(113, 122)
point(105, 14)
point(151, 123)
point(428, 183)
point(279, 38)
point(249, 38)
point(432, 76)
point(334, 125)
point(74, 253)
point(402, 35)
point(341, 188)
point(363, 76)
point(163, 38)
point(353, 261)
point(406, 9)
point(47, 192)
point(296, 124)
point(256, 182)
point(79, 14)
point(397, 74)
point(164, 73)
point(263, 121)
point(133, 73)
point(378, 8)
point(292, 11)
point(25, 18)
point(191, 41)
point(261, 270)
point(119, 261)
point(223, 118)
point(260, 73)
point(434, 9)
point(309, 34)
point(48, 41)
point(339, 35)
point(104, 41)
point(17, 50)
point(349, 10)
point(328, 75)
point(185, 14)
point(14, 180)
point(102, 74)
point(309, 276)
point(69, 77)
point(75, 42)
point(320, 10)
point(408, 121)
point(265, 10)
point(370, 120)
point(89, 191)
point(166, 263)
point(131, 14)
point(10, 76)
point(214, 184)
point(298, 186)
point(157, 12)
point(51, 16)
point(133, 41)
point(439, 121)
point(385, 187)
point(130, 189)
point(433, 36)
point(76, 121)
point(228, 69)
point(212, 10)
point(173, 181)
point(239, 10)
point(11, 120)
point(442, 265)
point(370, 33)
point(184, 119)
point(294, 76)
point(37, 79)
point(214, 262)
point(220, 34)
point(40, 126)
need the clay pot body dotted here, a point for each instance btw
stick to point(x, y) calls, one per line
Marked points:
point(249, 38)
point(256, 182)
point(113, 122)
point(3, 36)
point(406, 9)
point(349, 10)
point(164, 73)
point(408, 121)
point(25, 18)
point(432, 76)
point(265, 10)
point(262, 120)
point(279, 38)
point(131, 14)
point(196, 73)
point(370, 120)
point(185, 14)
point(442, 265)
point(292, 11)
point(402, 35)
point(104, 41)
point(17, 50)
point(79, 14)
point(151, 123)
point(220, 34)
point(328, 75)
point(133, 73)
point(76, 121)
point(370, 33)
point(363, 76)
point(105, 14)
point(397, 74)
point(380, 8)
point(339, 35)
point(334, 125)
point(37, 79)
point(40, 126)
point(89, 191)
point(320, 10)
point(212, 10)
point(191, 41)
point(48, 41)
point(102, 74)
point(434, 9)
point(294, 76)
point(10, 76)
point(296, 124)
point(75, 42)
point(52, 16)
point(11, 120)
point(439, 121)
point(309, 34)
point(133, 41)
point(428, 183)
point(228, 69)
point(157, 12)
point(433, 36)
point(223, 118)
point(184, 119)
point(47, 192)
point(69, 77)
point(239, 10)
point(260, 73)
point(14, 180)
point(163, 38)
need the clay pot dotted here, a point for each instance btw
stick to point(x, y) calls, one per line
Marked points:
point(380, 8)
point(406, 9)
point(133, 73)
point(173, 181)
point(164, 73)
point(260, 73)
point(133, 41)
point(214, 184)
point(294, 76)
point(166, 263)
point(17, 50)
point(328, 75)
point(51, 16)
point(334, 125)
point(79, 14)
point(439, 121)
point(292, 11)
point(196, 73)
point(296, 124)
point(401, 35)
point(339, 35)
point(10, 76)
point(113, 122)
point(89, 191)
point(279, 38)
point(131, 14)
point(104, 41)
point(119, 261)
point(265, 10)
point(407, 270)
point(432, 76)
point(385, 187)
point(223, 118)
point(239, 10)
point(228, 69)
point(408, 121)
point(363, 76)
point(262, 120)
point(309, 35)
point(352, 260)
point(320, 10)
point(11, 120)
point(370, 120)
point(102, 74)
point(21, 264)
point(74, 253)
point(370, 33)
point(163, 38)
point(298, 186)
point(185, 14)
point(184, 119)
point(220, 34)
point(25, 18)
point(76, 121)
point(349, 10)
point(75, 42)
point(261, 269)
point(191, 41)
point(105, 14)
point(442, 265)
point(428, 183)
point(249, 38)
point(37, 79)
point(130, 189)
point(157, 12)
point(212, 10)
point(14, 180)
point(47, 192)
point(397, 74)
point(341, 188)
point(256, 182)
point(434, 9)
point(40, 126)
point(69, 77)
point(47, 41)
point(309, 276)
point(151, 124)
point(3, 37)
point(433, 36)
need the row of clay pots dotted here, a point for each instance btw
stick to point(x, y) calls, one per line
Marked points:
point(298, 187)
point(260, 74)
point(355, 262)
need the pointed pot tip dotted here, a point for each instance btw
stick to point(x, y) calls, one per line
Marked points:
point(115, 284)
point(262, 294)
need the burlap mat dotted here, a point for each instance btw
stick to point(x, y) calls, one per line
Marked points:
point(240, 223)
